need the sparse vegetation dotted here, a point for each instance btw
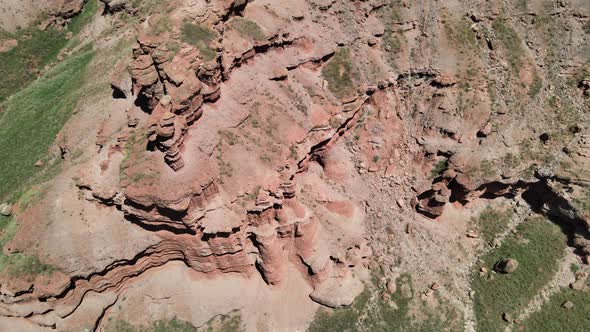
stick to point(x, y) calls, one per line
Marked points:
point(247, 28)
point(370, 312)
point(460, 33)
point(229, 137)
point(231, 322)
point(201, 37)
point(511, 42)
point(537, 245)
point(18, 265)
point(392, 40)
point(335, 122)
point(293, 152)
point(173, 325)
point(341, 74)
point(162, 24)
point(536, 86)
point(486, 168)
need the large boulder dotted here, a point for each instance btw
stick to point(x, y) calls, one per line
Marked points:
point(338, 292)
point(506, 266)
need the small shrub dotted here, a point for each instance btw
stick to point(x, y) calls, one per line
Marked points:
point(293, 152)
point(536, 86)
point(439, 167)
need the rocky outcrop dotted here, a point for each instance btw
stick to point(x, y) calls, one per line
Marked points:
point(168, 87)
point(61, 12)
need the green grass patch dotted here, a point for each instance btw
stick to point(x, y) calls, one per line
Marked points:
point(34, 116)
point(511, 42)
point(492, 222)
point(30, 196)
point(538, 245)
point(341, 74)
point(554, 317)
point(247, 28)
point(201, 37)
point(35, 50)
point(81, 20)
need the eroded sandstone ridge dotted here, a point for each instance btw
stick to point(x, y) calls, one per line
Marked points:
point(291, 154)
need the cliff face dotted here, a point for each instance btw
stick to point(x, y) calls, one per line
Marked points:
point(317, 138)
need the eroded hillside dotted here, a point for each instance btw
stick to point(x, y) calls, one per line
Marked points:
point(320, 165)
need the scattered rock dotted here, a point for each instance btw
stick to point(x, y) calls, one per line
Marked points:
point(507, 317)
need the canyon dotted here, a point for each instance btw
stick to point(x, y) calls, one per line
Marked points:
point(286, 163)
